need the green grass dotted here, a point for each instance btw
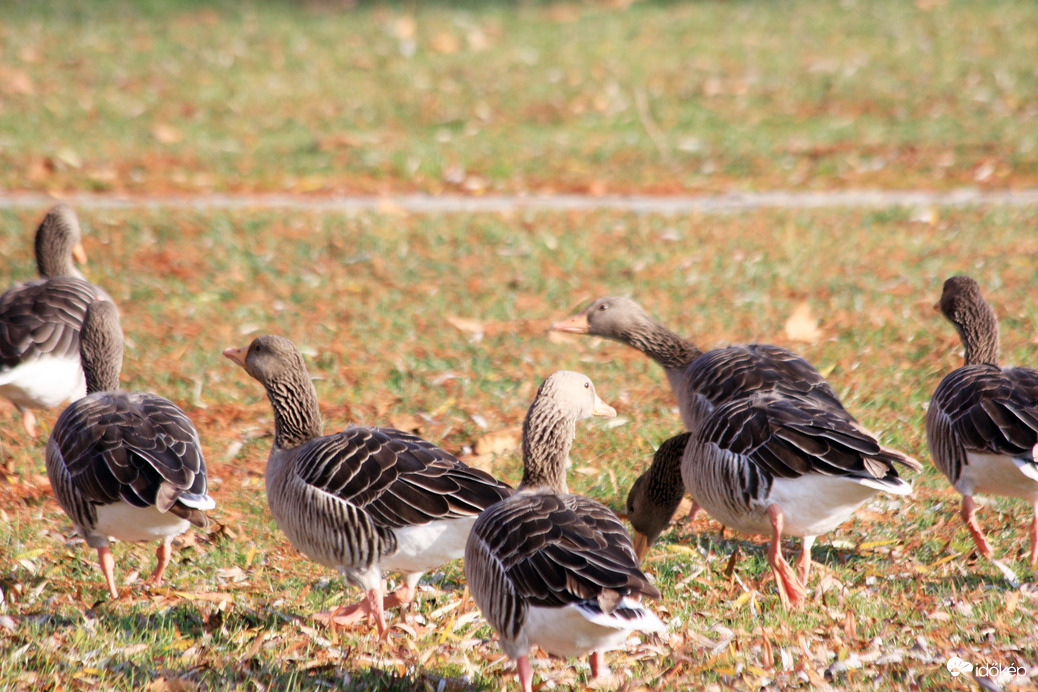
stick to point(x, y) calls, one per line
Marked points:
point(370, 299)
point(652, 96)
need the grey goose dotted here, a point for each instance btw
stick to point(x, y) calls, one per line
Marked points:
point(124, 465)
point(40, 321)
point(982, 423)
point(365, 500)
point(702, 381)
point(553, 569)
point(769, 465)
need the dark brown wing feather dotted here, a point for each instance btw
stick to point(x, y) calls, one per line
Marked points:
point(728, 373)
point(43, 318)
point(558, 550)
point(779, 437)
point(983, 408)
point(397, 478)
point(125, 446)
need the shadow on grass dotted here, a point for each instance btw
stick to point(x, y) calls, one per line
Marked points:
point(187, 648)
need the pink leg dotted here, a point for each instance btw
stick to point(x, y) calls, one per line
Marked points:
point(969, 512)
point(107, 562)
point(791, 591)
point(525, 674)
point(402, 596)
point(804, 562)
point(598, 664)
point(29, 422)
point(694, 511)
point(370, 607)
point(1034, 537)
point(163, 554)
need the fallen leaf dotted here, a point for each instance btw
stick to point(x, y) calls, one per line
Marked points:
point(802, 326)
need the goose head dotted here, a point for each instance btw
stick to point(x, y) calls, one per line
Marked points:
point(59, 241)
point(610, 317)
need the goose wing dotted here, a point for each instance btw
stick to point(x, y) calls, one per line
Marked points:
point(769, 437)
point(132, 447)
point(43, 318)
point(398, 479)
point(984, 409)
point(559, 550)
point(737, 371)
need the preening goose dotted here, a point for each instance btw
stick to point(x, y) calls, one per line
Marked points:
point(364, 500)
point(982, 423)
point(772, 465)
point(40, 321)
point(549, 568)
point(124, 465)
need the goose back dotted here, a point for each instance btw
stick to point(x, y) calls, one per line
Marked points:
point(752, 451)
point(340, 498)
point(541, 550)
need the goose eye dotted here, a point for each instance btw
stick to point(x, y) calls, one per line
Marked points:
point(603, 307)
point(587, 385)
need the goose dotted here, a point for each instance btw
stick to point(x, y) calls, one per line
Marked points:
point(549, 568)
point(124, 465)
point(982, 422)
point(365, 500)
point(767, 464)
point(40, 321)
point(701, 381)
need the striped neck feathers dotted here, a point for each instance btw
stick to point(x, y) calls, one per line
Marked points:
point(547, 437)
point(297, 416)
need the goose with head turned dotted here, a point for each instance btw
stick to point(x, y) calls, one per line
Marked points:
point(549, 568)
point(982, 423)
point(365, 500)
point(701, 381)
point(40, 322)
point(124, 465)
point(769, 465)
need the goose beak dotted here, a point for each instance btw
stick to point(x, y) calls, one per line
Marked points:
point(572, 325)
point(236, 354)
point(641, 545)
point(79, 253)
point(602, 409)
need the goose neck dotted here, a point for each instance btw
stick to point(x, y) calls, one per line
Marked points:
point(297, 416)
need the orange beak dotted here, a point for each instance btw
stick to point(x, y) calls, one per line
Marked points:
point(602, 409)
point(573, 325)
point(79, 253)
point(641, 545)
point(236, 354)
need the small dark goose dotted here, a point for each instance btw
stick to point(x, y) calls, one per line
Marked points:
point(124, 465)
point(772, 465)
point(364, 500)
point(982, 424)
point(552, 569)
point(40, 322)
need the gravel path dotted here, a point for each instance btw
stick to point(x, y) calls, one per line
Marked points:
point(642, 204)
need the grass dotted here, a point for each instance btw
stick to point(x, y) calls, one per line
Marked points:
point(439, 323)
point(652, 96)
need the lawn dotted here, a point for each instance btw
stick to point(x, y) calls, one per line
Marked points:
point(470, 97)
point(438, 324)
